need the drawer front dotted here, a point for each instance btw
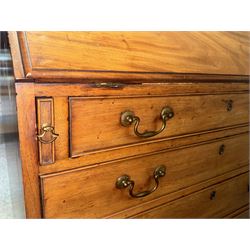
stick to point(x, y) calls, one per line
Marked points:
point(243, 215)
point(213, 202)
point(92, 192)
point(95, 123)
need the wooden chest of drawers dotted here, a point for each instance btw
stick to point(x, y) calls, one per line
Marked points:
point(133, 124)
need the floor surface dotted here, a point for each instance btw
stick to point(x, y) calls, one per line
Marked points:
point(11, 193)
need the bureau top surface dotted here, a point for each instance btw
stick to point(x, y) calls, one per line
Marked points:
point(125, 55)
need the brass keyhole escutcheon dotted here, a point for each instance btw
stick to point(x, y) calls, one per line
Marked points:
point(221, 149)
point(212, 195)
point(229, 104)
point(47, 129)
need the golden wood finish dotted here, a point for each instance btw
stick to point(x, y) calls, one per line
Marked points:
point(60, 95)
point(26, 114)
point(87, 79)
point(95, 122)
point(95, 55)
point(128, 213)
point(242, 213)
point(45, 117)
point(229, 195)
point(16, 55)
point(147, 148)
point(88, 193)
point(140, 89)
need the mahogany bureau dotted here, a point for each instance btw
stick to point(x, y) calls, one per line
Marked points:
point(133, 124)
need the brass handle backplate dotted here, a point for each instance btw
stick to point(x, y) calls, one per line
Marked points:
point(128, 117)
point(47, 129)
point(125, 181)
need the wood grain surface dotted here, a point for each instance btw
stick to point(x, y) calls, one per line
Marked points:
point(241, 213)
point(230, 195)
point(141, 89)
point(95, 122)
point(102, 55)
point(88, 193)
point(45, 115)
point(63, 162)
point(16, 55)
point(26, 114)
point(146, 206)
point(91, 77)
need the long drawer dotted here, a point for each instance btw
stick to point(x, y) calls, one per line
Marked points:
point(243, 215)
point(213, 202)
point(92, 192)
point(98, 124)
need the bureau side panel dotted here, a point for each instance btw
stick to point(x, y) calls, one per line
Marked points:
point(26, 114)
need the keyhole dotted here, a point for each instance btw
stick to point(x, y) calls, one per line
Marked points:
point(212, 195)
point(221, 149)
point(229, 104)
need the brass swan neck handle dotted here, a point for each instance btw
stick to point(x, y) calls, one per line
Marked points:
point(128, 118)
point(125, 181)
